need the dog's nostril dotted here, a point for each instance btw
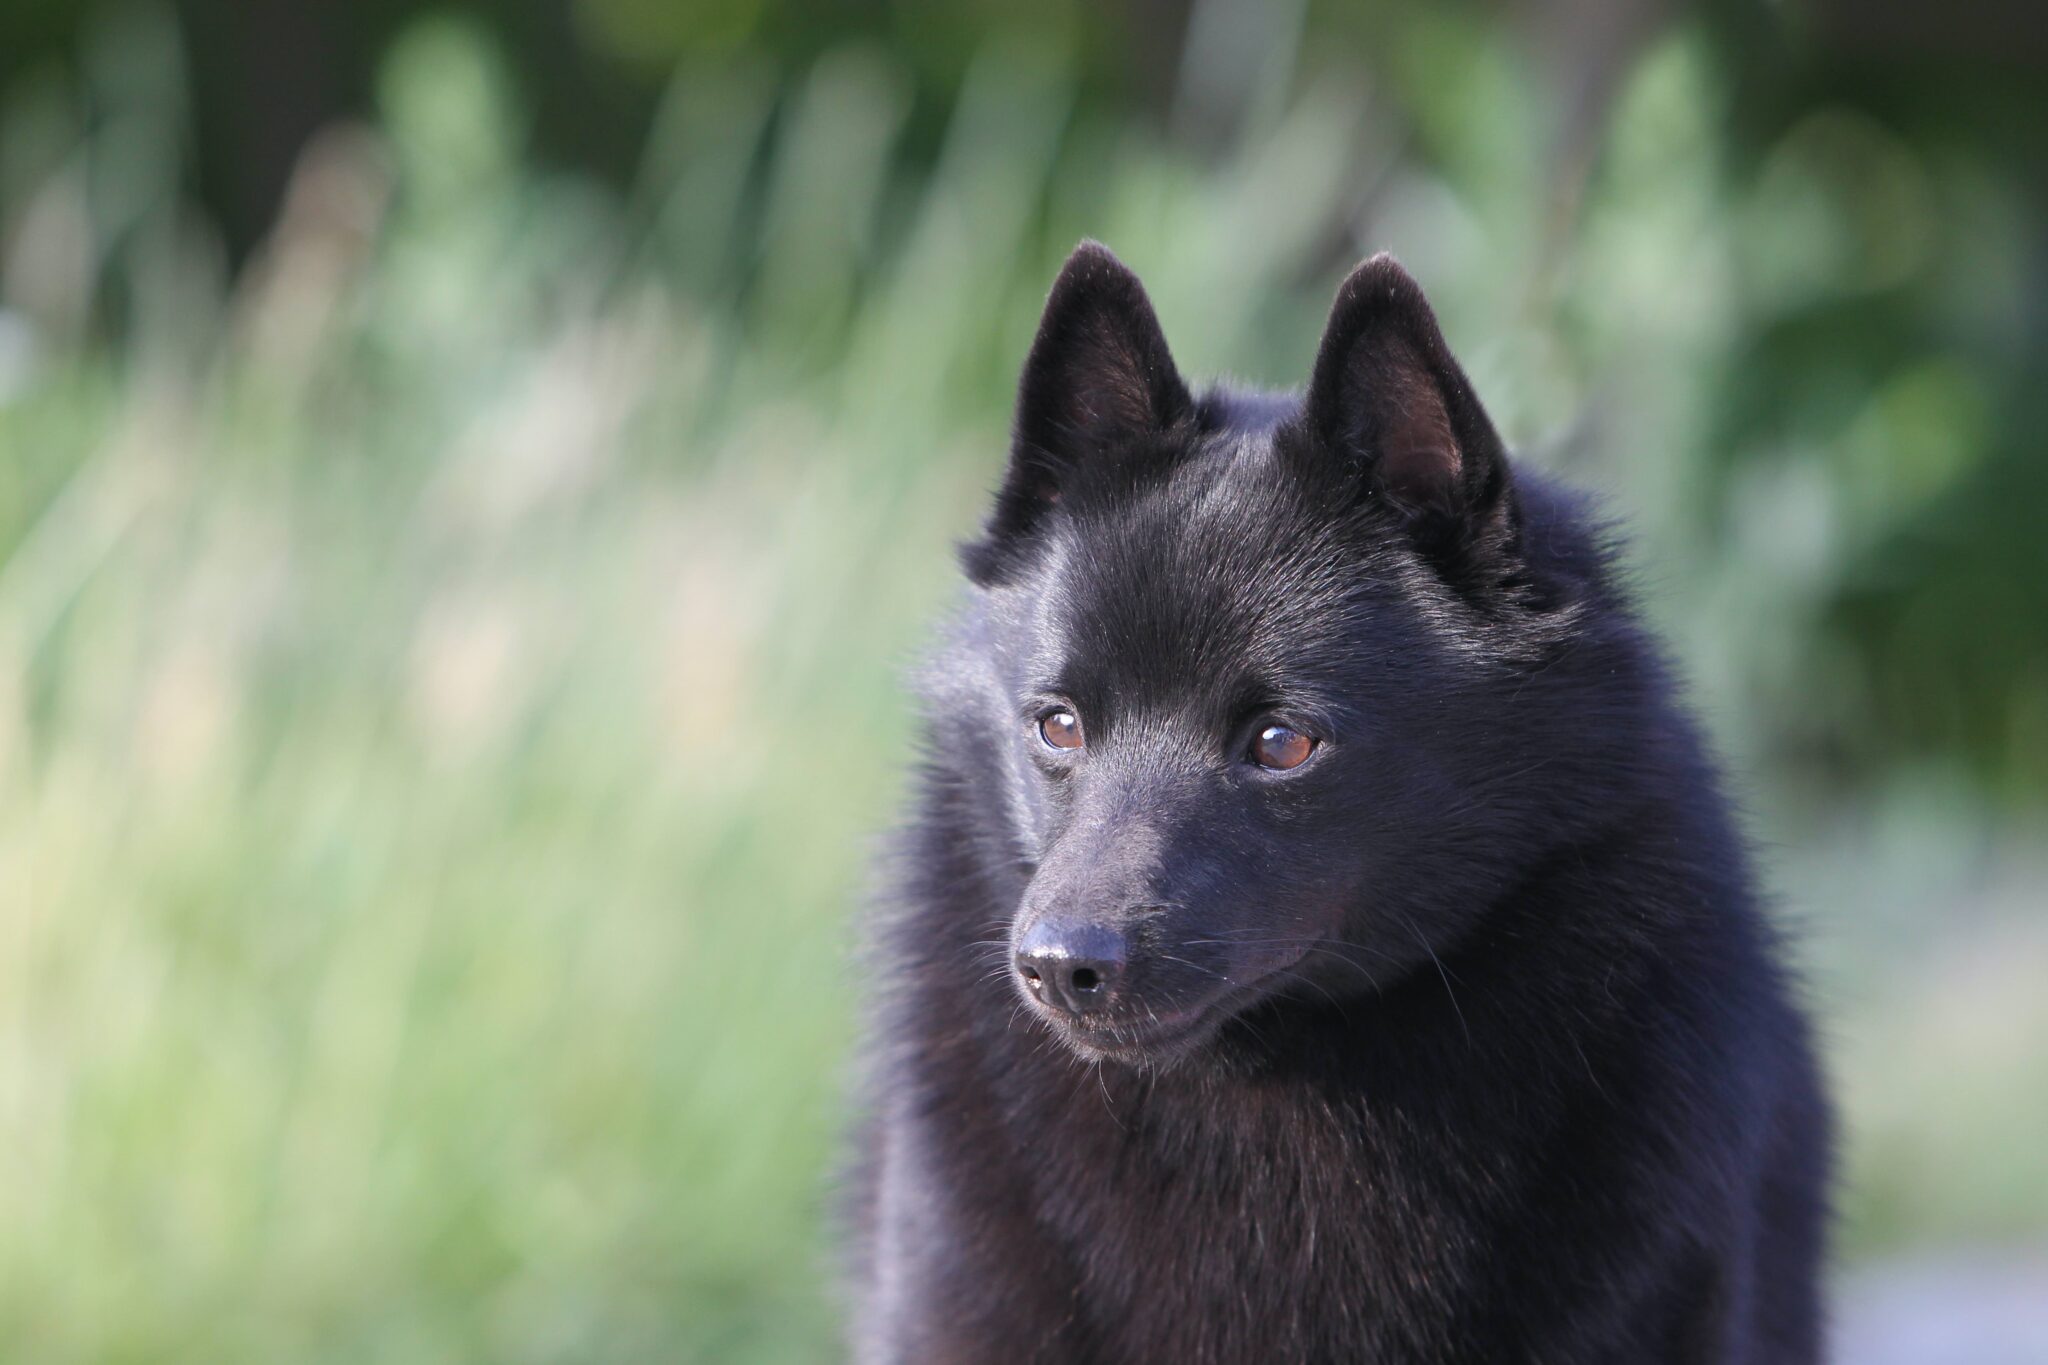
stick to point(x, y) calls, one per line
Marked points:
point(1029, 973)
point(1087, 979)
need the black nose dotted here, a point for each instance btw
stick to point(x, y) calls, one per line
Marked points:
point(1072, 967)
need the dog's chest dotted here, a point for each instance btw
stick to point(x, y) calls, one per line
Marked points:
point(1250, 1225)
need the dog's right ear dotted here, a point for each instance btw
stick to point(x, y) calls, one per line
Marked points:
point(1099, 384)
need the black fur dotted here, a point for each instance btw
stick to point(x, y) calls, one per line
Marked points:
point(1464, 1041)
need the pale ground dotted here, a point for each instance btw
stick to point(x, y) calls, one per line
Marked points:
point(1964, 1309)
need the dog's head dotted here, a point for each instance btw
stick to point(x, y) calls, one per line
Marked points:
point(1256, 655)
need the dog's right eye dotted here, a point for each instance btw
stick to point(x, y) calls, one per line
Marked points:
point(1060, 729)
point(1279, 749)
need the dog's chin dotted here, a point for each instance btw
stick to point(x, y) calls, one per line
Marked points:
point(1152, 1042)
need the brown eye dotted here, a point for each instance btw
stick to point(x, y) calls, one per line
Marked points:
point(1280, 748)
point(1060, 729)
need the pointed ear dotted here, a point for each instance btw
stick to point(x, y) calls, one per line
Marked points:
point(1099, 385)
point(1388, 400)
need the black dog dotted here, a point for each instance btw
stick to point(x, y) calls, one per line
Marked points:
point(1320, 935)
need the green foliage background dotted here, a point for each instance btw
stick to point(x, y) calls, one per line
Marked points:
point(449, 660)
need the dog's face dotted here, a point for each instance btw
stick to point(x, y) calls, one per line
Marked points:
point(1246, 663)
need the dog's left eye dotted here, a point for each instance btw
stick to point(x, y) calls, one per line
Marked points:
point(1279, 748)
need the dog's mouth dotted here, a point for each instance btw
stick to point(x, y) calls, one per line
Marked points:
point(1154, 1038)
point(1141, 1035)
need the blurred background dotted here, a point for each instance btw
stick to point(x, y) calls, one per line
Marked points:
point(472, 476)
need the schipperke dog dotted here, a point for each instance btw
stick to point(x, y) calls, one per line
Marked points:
point(1320, 934)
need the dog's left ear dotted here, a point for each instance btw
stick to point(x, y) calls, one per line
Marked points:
point(1388, 400)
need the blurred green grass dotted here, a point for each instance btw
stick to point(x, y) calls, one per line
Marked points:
point(449, 675)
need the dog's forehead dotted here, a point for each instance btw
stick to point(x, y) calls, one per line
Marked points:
point(1223, 575)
